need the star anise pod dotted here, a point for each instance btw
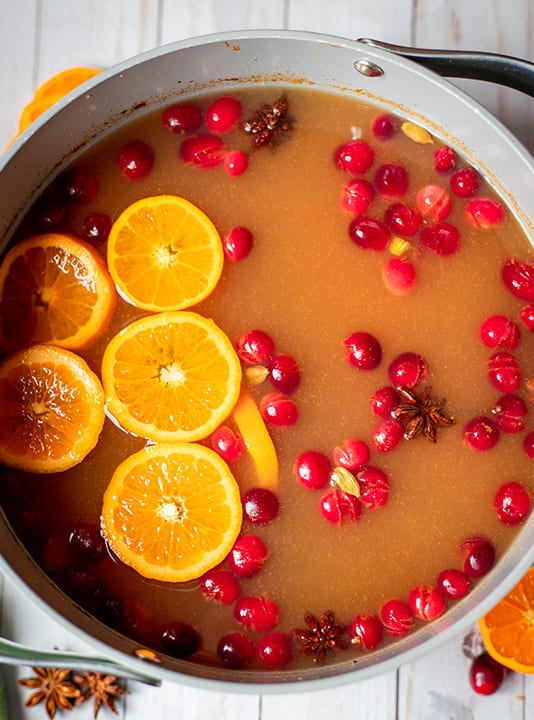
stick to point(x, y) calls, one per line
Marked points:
point(54, 686)
point(269, 123)
point(420, 414)
point(104, 689)
point(322, 636)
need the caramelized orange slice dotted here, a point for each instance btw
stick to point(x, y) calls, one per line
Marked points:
point(257, 440)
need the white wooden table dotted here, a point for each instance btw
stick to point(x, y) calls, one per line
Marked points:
point(40, 37)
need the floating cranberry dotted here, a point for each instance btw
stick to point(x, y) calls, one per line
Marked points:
point(396, 617)
point(222, 114)
point(383, 126)
point(485, 674)
point(135, 160)
point(527, 317)
point(366, 631)
point(227, 443)
point(481, 433)
point(339, 507)
point(369, 234)
point(408, 369)
point(256, 612)
point(479, 556)
point(374, 487)
point(84, 585)
point(387, 435)
point(203, 150)
point(442, 238)
point(182, 118)
point(118, 612)
point(504, 372)
point(484, 213)
point(274, 650)
point(402, 220)
point(180, 640)
point(96, 227)
point(79, 185)
point(49, 211)
point(512, 503)
point(255, 346)
point(454, 584)
point(354, 157)
point(237, 244)
point(235, 163)
point(352, 454)
point(87, 540)
point(384, 401)
point(261, 506)
point(528, 445)
point(312, 468)
point(220, 585)
point(399, 276)
point(356, 196)
point(511, 413)
point(426, 602)
point(433, 202)
point(235, 650)
point(499, 331)
point(519, 278)
point(364, 352)
point(444, 159)
point(278, 410)
point(465, 182)
point(391, 180)
point(248, 556)
point(55, 553)
point(284, 373)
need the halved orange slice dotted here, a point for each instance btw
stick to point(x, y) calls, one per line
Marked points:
point(51, 409)
point(164, 253)
point(172, 512)
point(171, 377)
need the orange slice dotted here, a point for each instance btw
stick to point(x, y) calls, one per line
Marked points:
point(164, 253)
point(51, 409)
point(257, 440)
point(508, 629)
point(171, 377)
point(53, 289)
point(64, 81)
point(172, 512)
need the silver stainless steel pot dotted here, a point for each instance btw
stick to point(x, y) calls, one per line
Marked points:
point(364, 70)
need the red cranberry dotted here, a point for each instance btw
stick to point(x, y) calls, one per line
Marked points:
point(408, 369)
point(352, 454)
point(484, 213)
point(465, 182)
point(443, 238)
point(369, 234)
point(284, 373)
point(87, 540)
point(278, 410)
point(255, 346)
point(80, 185)
point(384, 401)
point(444, 159)
point(237, 244)
point(247, 556)
point(84, 586)
point(339, 507)
point(527, 317)
point(396, 617)
point(481, 433)
point(227, 443)
point(180, 640)
point(56, 553)
point(222, 114)
point(49, 212)
point(274, 650)
point(511, 413)
point(256, 612)
point(402, 220)
point(96, 227)
point(136, 160)
point(235, 163)
point(357, 196)
point(387, 435)
point(364, 352)
point(235, 650)
point(399, 276)
point(519, 278)
point(528, 445)
point(182, 118)
point(479, 556)
point(118, 612)
point(433, 202)
point(366, 631)
point(202, 151)
point(504, 372)
point(485, 674)
point(498, 331)
point(391, 180)
point(383, 126)
point(354, 157)
point(220, 585)
point(374, 487)
point(454, 584)
point(426, 602)
point(312, 468)
point(261, 506)
point(512, 503)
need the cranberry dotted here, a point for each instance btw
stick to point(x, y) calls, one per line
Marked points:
point(339, 507)
point(479, 556)
point(180, 640)
point(227, 443)
point(136, 160)
point(203, 150)
point(369, 234)
point(442, 238)
point(374, 487)
point(402, 220)
point(255, 346)
point(512, 503)
point(274, 650)
point(261, 506)
point(354, 157)
point(519, 278)
point(80, 185)
point(433, 202)
point(256, 612)
point(454, 584)
point(465, 182)
point(220, 585)
point(384, 401)
point(387, 435)
point(312, 468)
point(485, 674)
point(357, 196)
point(235, 650)
point(87, 540)
point(484, 213)
point(352, 454)
point(364, 352)
point(527, 317)
point(528, 445)
point(426, 602)
point(444, 159)
point(481, 433)
point(56, 553)
point(182, 118)
point(284, 373)
point(399, 276)
point(511, 413)
point(498, 331)
point(391, 180)
point(84, 586)
point(222, 114)
point(247, 556)
point(237, 244)
point(118, 612)
point(49, 212)
point(366, 631)
point(278, 410)
point(96, 227)
point(504, 372)
point(383, 126)
point(396, 617)
point(235, 163)
point(408, 369)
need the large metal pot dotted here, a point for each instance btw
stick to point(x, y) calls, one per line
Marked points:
point(364, 70)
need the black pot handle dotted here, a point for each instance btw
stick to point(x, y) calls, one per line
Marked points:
point(491, 67)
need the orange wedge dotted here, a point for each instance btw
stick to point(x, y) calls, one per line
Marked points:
point(508, 629)
point(51, 409)
point(53, 289)
point(164, 253)
point(172, 512)
point(257, 440)
point(171, 377)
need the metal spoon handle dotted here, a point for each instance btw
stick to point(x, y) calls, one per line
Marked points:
point(490, 67)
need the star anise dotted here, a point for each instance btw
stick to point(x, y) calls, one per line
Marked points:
point(53, 685)
point(322, 636)
point(104, 690)
point(268, 123)
point(420, 414)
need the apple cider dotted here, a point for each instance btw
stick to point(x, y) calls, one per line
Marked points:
point(380, 298)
